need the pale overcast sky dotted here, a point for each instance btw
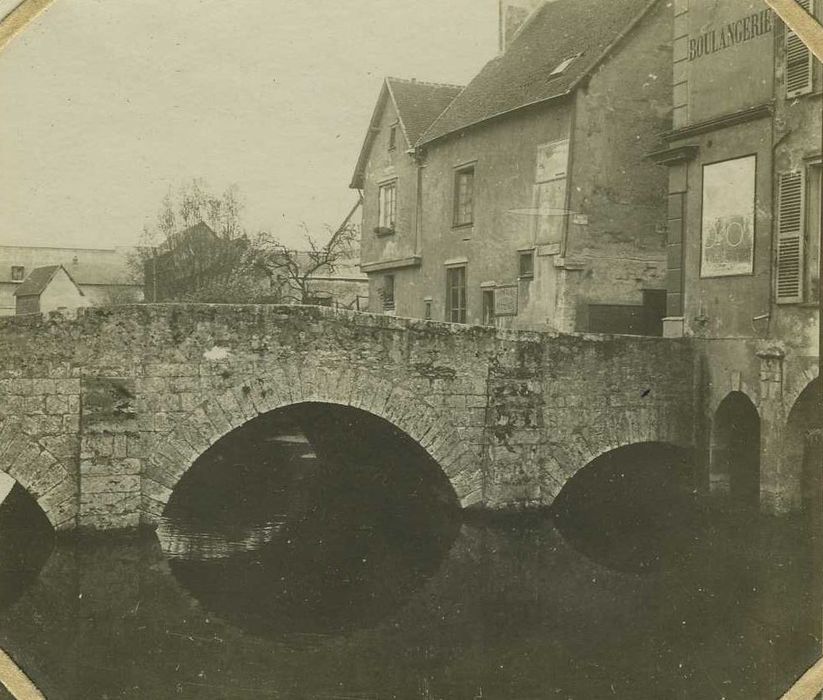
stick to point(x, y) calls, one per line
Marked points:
point(104, 104)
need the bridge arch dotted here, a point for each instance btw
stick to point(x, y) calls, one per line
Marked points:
point(39, 472)
point(609, 430)
point(734, 460)
point(218, 415)
point(800, 474)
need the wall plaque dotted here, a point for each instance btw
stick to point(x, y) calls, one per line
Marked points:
point(505, 300)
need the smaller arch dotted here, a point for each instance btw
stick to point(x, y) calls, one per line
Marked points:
point(799, 473)
point(43, 476)
point(604, 431)
point(734, 459)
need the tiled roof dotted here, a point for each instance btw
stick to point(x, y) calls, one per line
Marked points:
point(417, 103)
point(521, 76)
point(39, 279)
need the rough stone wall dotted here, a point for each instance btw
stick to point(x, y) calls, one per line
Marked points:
point(116, 404)
point(616, 243)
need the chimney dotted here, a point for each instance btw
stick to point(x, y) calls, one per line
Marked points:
point(513, 14)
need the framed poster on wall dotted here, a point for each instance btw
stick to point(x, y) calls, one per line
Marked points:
point(727, 241)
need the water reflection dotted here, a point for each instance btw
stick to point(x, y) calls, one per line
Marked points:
point(320, 534)
point(316, 577)
point(26, 540)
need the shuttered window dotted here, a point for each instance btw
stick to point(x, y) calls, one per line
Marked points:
point(799, 60)
point(789, 273)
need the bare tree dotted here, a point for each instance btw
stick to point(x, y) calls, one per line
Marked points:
point(199, 251)
point(196, 243)
point(291, 272)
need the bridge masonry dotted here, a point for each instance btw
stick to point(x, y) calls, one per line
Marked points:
point(101, 415)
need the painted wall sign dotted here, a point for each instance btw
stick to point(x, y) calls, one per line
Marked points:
point(728, 218)
point(505, 300)
point(731, 34)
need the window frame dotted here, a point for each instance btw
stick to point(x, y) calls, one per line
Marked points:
point(393, 137)
point(489, 315)
point(456, 313)
point(382, 227)
point(458, 208)
point(22, 273)
point(522, 255)
point(389, 299)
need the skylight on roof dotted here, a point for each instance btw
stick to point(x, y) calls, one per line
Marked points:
point(561, 68)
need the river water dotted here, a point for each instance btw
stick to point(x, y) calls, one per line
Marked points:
point(285, 569)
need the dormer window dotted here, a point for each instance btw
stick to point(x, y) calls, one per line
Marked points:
point(563, 65)
point(393, 137)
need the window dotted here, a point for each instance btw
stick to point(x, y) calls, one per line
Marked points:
point(18, 273)
point(388, 293)
point(427, 312)
point(789, 264)
point(800, 197)
point(488, 307)
point(456, 294)
point(526, 267)
point(814, 215)
point(799, 59)
point(387, 206)
point(393, 137)
point(464, 196)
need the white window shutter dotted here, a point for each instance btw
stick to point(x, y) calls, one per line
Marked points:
point(799, 60)
point(790, 225)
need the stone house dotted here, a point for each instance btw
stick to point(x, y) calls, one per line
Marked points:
point(745, 158)
point(389, 177)
point(48, 289)
point(528, 202)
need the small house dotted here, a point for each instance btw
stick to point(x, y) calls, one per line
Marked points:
point(47, 289)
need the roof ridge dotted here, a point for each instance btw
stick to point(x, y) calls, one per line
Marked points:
point(508, 82)
point(415, 81)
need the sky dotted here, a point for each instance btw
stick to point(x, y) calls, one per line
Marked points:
point(106, 104)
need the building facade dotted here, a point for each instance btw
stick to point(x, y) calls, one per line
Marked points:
point(528, 202)
point(102, 274)
point(744, 231)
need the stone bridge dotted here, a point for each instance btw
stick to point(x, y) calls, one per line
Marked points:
point(103, 413)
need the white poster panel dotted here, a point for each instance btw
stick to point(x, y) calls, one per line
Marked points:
point(552, 160)
point(728, 218)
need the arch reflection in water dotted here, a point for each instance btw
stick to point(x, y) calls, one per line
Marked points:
point(633, 509)
point(26, 540)
point(311, 519)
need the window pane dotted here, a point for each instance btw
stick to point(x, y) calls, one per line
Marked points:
point(464, 197)
point(456, 294)
point(387, 204)
point(527, 264)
